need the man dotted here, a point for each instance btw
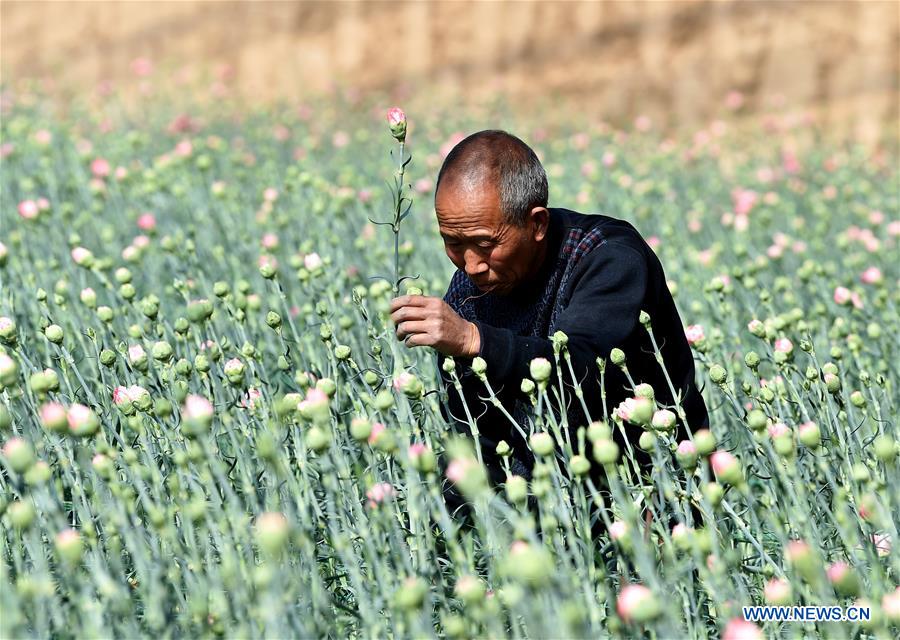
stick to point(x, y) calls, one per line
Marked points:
point(525, 271)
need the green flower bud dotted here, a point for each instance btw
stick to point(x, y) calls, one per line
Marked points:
point(317, 439)
point(221, 289)
point(360, 429)
point(647, 441)
point(21, 514)
point(273, 320)
point(527, 387)
point(411, 594)
point(605, 451)
point(271, 532)
point(540, 369)
point(617, 357)
point(449, 365)
point(162, 351)
point(181, 326)
point(705, 442)
point(503, 449)
point(54, 333)
point(19, 454)
point(199, 310)
point(69, 546)
point(542, 443)
point(858, 399)
point(479, 366)
point(107, 357)
point(105, 314)
point(751, 359)
point(201, 363)
point(599, 430)
point(127, 291)
point(885, 449)
point(384, 400)
point(718, 374)
point(39, 474)
point(579, 465)
point(516, 489)
point(714, 493)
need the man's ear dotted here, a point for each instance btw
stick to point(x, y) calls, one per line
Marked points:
point(540, 221)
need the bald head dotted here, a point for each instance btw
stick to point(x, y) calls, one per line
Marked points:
point(494, 159)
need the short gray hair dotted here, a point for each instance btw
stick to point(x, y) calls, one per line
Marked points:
point(504, 160)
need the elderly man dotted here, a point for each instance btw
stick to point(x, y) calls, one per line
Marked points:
point(525, 271)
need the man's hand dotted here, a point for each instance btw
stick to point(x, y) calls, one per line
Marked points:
point(424, 321)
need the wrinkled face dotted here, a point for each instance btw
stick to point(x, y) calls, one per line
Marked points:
point(496, 255)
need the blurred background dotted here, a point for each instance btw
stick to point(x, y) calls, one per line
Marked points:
point(673, 62)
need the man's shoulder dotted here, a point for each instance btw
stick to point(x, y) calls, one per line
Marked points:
point(596, 229)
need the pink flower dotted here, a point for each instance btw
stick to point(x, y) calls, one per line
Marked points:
point(777, 591)
point(78, 415)
point(893, 228)
point(120, 396)
point(184, 148)
point(312, 261)
point(778, 430)
point(81, 256)
point(743, 200)
point(146, 222)
point(270, 241)
point(379, 493)
point(643, 123)
point(734, 100)
point(100, 168)
point(890, 605)
point(136, 352)
point(140, 241)
point(694, 333)
point(396, 116)
point(872, 275)
point(635, 602)
point(141, 67)
point(724, 465)
point(784, 345)
point(882, 542)
point(252, 399)
point(28, 209)
point(270, 194)
point(423, 185)
point(53, 413)
point(458, 469)
point(608, 159)
point(842, 295)
point(687, 448)
point(837, 571)
point(340, 139)
point(197, 407)
point(740, 629)
point(618, 530)
point(377, 428)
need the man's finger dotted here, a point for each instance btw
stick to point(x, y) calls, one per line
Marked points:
point(409, 301)
point(409, 327)
point(409, 313)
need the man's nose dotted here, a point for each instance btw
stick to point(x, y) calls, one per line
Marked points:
point(474, 264)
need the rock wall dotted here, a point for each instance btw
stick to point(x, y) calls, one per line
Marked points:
point(671, 60)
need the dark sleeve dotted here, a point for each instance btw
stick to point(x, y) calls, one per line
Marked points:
point(604, 305)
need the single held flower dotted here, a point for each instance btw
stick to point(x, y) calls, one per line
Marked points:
point(197, 413)
point(397, 122)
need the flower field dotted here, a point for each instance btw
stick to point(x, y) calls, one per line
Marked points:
point(209, 429)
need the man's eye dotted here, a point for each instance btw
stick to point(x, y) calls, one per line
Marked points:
point(486, 244)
